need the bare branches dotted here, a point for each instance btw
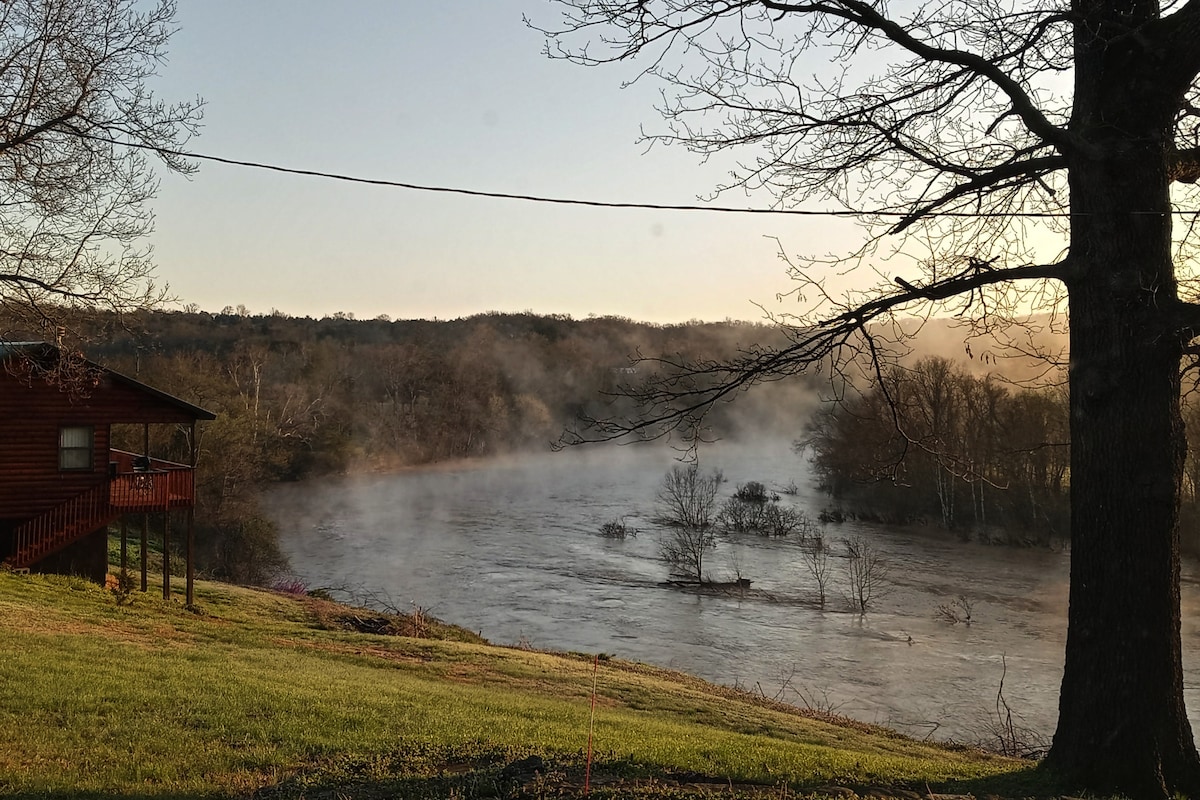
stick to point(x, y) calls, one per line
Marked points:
point(976, 275)
point(961, 107)
point(919, 125)
point(1014, 173)
point(868, 17)
point(1185, 165)
point(74, 208)
point(678, 394)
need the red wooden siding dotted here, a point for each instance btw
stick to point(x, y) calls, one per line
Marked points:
point(30, 480)
point(30, 417)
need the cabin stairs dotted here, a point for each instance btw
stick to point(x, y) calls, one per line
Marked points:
point(61, 526)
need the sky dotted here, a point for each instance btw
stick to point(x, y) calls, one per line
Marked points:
point(452, 94)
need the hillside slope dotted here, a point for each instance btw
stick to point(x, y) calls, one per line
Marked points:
point(275, 695)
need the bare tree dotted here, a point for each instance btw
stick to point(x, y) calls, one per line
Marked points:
point(683, 549)
point(687, 501)
point(866, 573)
point(688, 497)
point(956, 123)
point(76, 121)
point(816, 559)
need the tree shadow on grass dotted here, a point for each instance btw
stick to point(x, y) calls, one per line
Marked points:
point(1036, 781)
point(530, 777)
point(563, 777)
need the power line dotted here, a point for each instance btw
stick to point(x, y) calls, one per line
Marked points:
point(417, 187)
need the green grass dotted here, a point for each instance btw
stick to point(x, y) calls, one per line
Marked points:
point(262, 692)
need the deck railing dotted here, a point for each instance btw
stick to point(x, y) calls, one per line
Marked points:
point(61, 525)
point(166, 484)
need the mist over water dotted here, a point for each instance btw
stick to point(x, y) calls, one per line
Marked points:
point(511, 548)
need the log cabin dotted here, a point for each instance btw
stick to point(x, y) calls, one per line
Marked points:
point(62, 484)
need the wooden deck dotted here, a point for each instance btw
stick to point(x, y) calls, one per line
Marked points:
point(162, 487)
point(133, 485)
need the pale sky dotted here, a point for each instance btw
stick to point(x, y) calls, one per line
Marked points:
point(453, 94)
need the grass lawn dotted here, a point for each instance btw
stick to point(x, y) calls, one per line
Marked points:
point(265, 693)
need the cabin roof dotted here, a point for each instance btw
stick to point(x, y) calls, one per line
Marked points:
point(44, 351)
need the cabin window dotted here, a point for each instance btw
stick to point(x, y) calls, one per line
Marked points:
point(75, 447)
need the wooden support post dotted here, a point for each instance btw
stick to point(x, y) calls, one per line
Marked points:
point(191, 520)
point(124, 553)
point(145, 546)
point(166, 540)
point(191, 546)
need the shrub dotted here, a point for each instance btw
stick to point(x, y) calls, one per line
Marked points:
point(123, 587)
point(956, 611)
point(617, 529)
point(290, 586)
point(783, 520)
point(244, 550)
point(765, 519)
point(752, 492)
point(739, 516)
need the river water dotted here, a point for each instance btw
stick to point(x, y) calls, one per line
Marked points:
point(511, 548)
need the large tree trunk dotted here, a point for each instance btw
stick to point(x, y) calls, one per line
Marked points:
point(1122, 722)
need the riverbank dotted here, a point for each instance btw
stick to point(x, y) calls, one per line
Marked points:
point(271, 695)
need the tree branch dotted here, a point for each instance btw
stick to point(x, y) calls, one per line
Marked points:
point(685, 392)
point(25, 280)
point(1179, 33)
point(29, 134)
point(1184, 165)
point(1030, 169)
point(977, 275)
point(866, 16)
point(1185, 317)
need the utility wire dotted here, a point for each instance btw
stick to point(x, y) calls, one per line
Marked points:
point(564, 201)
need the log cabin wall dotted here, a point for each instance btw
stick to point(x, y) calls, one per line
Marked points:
point(31, 415)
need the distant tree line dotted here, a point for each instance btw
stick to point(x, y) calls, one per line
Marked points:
point(933, 442)
point(297, 398)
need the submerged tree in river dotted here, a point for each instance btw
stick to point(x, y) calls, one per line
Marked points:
point(688, 497)
point(687, 501)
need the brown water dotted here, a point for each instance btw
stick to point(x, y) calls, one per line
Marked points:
point(511, 549)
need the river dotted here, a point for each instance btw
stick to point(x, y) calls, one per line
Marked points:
point(511, 548)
